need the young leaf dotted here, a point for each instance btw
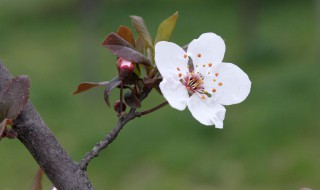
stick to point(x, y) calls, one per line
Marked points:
point(110, 86)
point(132, 100)
point(140, 45)
point(3, 127)
point(88, 85)
point(13, 97)
point(166, 28)
point(139, 25)
point(123, 49)
point(126, 34)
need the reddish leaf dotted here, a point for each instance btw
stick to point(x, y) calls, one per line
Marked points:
point(142, 30)
point(123, 49)
point(3, 127)
point(110, 86)
point(13, 97)
point(37, 182)
point(126, 34)
point(140, 45)
point(88, 85)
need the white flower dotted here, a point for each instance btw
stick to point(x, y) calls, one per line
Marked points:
point(207, 87)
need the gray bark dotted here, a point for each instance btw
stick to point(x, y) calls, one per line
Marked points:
point(63, 172)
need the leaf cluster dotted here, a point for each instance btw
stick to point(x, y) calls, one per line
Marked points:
point(139, 51)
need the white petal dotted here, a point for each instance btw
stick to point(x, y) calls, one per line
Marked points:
point(174, 92)
point(235, 84)
point(208, 48)
point(206, 112)
point(170, 59)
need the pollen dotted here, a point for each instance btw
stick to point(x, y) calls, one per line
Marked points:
point(188, 66)
point(210, 64)
point(185, 56)
point(180, 75)
point(214, 80)
point(199, 55)
point(217, 74)
point(178, 68)
point(203, 65)
point(209, 73)
point(214, 90)
point(220, 84)
point(203, 97)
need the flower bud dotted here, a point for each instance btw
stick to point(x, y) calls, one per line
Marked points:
point(118, 108)
point(125, 67)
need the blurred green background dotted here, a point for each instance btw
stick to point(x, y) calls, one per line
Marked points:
point(270, 141)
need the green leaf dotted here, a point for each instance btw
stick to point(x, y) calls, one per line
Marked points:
point(123, 49)
point(166, 28)
point(139, 25)
point(126, 34)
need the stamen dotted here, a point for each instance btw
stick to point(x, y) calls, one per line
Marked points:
point(178, 68)
point(220, 84)
point(214, 90)
point(210, 64)
point(203, 65)
point(217, 74)
point(180, 75)
point(185, 56)
point(203, 97)
point(199, 55)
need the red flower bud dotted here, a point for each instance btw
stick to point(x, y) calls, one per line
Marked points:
point(118, 108)
point(125, 67)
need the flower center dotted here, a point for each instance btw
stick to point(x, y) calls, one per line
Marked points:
point(194, 83)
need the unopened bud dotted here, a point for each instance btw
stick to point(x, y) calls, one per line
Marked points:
point(125, 67)
point(118, 108)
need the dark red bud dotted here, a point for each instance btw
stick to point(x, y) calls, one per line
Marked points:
point(118, 108)
point(125, 67)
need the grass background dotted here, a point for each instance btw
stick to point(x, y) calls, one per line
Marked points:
point(270, 141)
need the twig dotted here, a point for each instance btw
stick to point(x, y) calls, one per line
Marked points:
point(138, 114)
point(104, 143)
point(107, 140)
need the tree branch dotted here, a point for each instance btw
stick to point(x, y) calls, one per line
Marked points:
point(112, 135)
point(108, 139)
point(63, 172)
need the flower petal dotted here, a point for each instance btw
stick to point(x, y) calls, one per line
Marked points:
point(174, 92)
point(232, 84)
point(209, 48)
point(171, 60)
point(206, 112)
